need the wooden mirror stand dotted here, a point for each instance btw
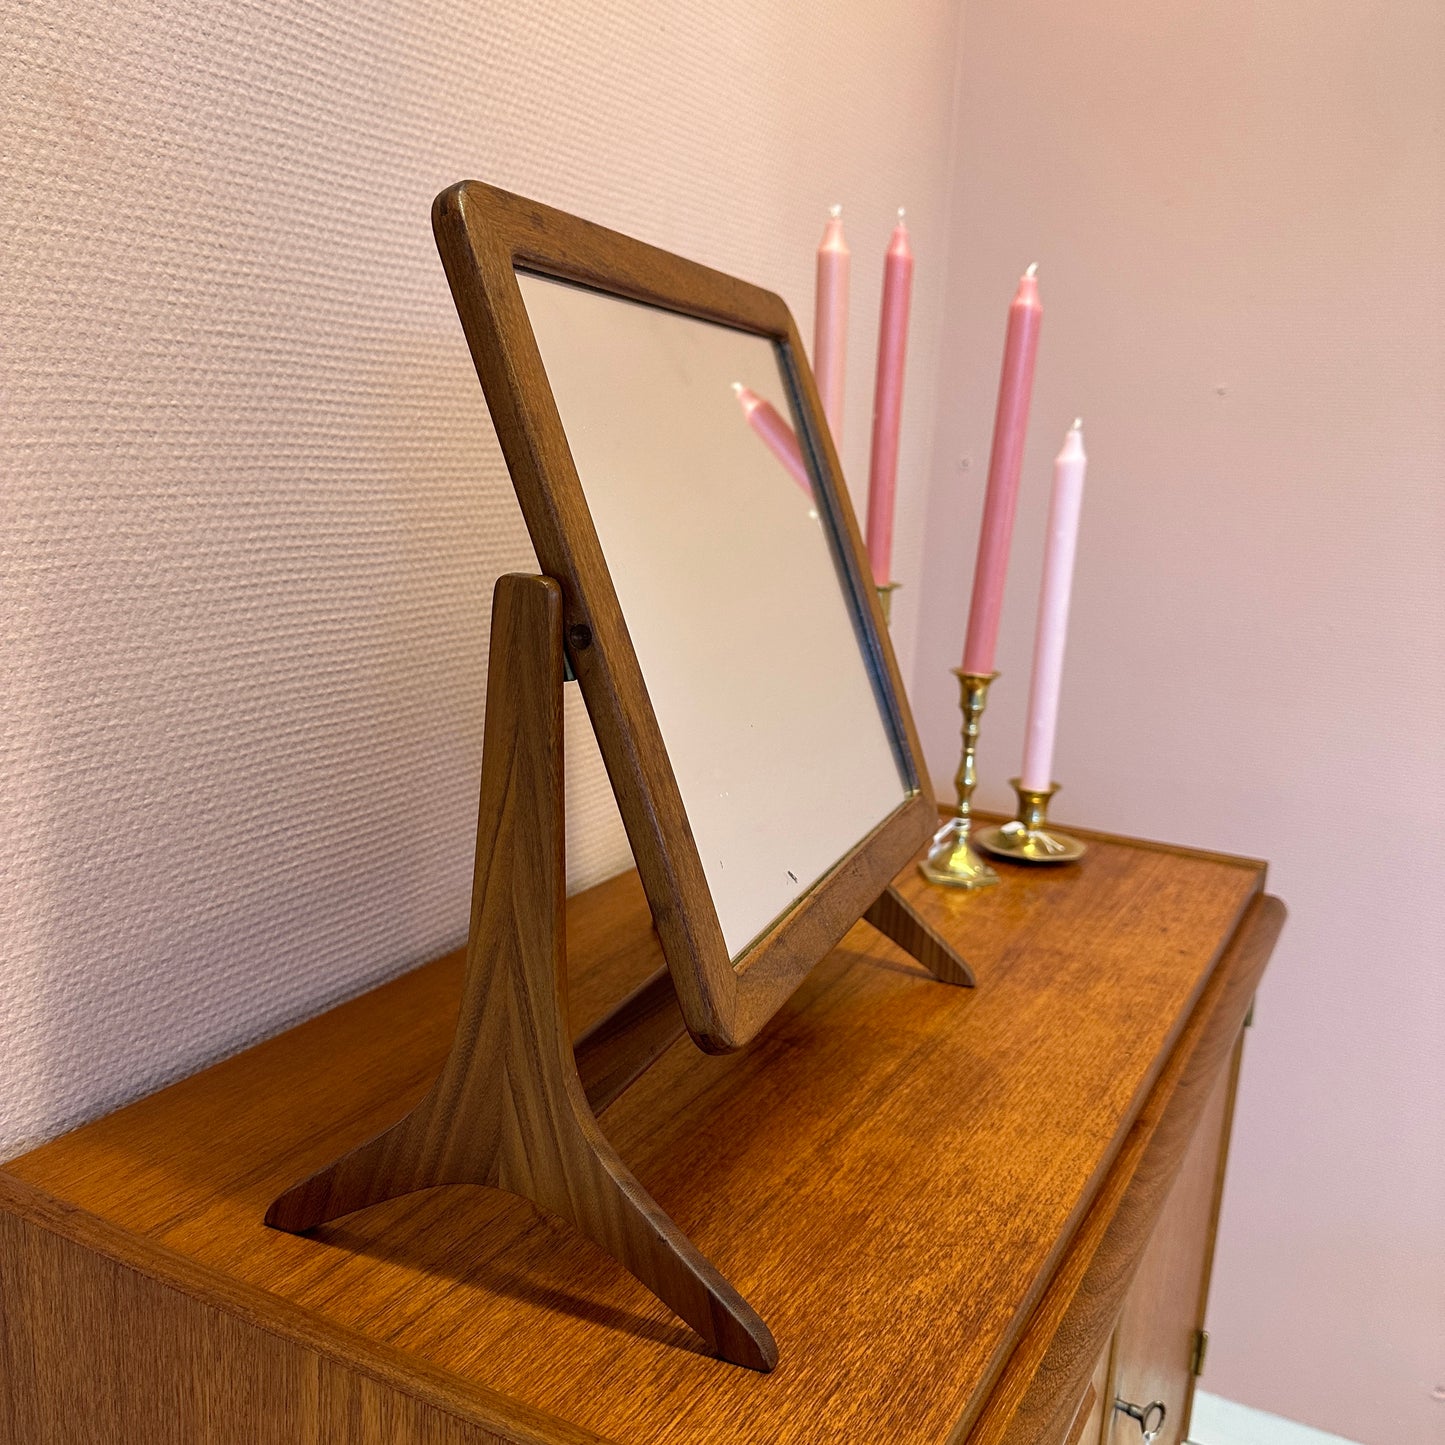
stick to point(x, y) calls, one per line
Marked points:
point(515, 1105)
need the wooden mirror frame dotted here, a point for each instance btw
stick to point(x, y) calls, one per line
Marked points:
point(484, 236)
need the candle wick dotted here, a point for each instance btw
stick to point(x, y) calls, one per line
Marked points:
point(835, 211)
point(1033, 270)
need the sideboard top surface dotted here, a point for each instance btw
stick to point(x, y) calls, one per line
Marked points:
point(889, 1173)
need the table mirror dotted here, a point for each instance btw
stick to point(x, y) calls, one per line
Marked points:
point(706, 585)
point(666, 444)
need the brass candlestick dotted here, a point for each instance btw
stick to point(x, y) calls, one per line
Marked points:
point(885, 599)
point(951, 861)
point(1026, 839)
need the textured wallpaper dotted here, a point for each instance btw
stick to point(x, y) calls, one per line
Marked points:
point(252, 506)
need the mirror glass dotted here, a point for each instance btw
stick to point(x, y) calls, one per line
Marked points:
point(685, 438)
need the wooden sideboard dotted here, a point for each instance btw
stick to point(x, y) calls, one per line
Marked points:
point(972, 1215)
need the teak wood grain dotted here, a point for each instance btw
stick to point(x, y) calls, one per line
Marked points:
point(621, 1045)
point(484, 235)
point(508, 1109)
point(513, 1106)
point(920, 1188)
point(109, 1339)
point(1084, 1415)
point(1077, 1316)
point(1154, 1338)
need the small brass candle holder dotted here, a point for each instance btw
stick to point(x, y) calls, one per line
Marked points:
point(1026, 839)
point(885, 599)
point(951, 862)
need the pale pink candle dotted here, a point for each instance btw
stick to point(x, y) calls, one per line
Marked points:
point(830, 322)
point(781, 439)
point(1053, 624)
point(888, 401)
point(1005, 462)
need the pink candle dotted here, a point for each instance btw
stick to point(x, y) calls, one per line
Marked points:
point(830, 322)
point(781, 439)
point(888, 401)
point(1010, 424)
point(1053, 624)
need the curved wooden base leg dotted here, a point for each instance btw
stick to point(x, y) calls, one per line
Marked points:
point(571, 1170)
point(896, 918)
point(509, 1110)
point(597, 1194)
point(371, 1173)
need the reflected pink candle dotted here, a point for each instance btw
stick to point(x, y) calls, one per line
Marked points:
point(781, 439)
point(888, 401)
point(830, 322)
point(1010, 424)
point(1053, 623)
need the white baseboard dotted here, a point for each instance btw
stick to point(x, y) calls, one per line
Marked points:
point(1217, 1421)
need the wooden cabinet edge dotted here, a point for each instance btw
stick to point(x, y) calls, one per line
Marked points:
point(1045, 1375)
point(28, 1216)
point(1196, 1364)
point(1155, 1336)
point(1082, 1416)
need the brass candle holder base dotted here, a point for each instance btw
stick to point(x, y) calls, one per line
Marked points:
point(885, 598)
point(951, 861)
point(1026, 839)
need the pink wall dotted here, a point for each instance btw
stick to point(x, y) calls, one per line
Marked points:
point(251, 506)
point(1239, 213)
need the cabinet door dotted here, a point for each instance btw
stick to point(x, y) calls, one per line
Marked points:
point(1154, 1341)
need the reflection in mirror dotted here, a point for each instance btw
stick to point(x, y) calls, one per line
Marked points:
point(685, 439)
point(779, 438)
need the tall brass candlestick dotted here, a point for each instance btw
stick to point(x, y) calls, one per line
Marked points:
point(885, 599)
point(951, 860)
